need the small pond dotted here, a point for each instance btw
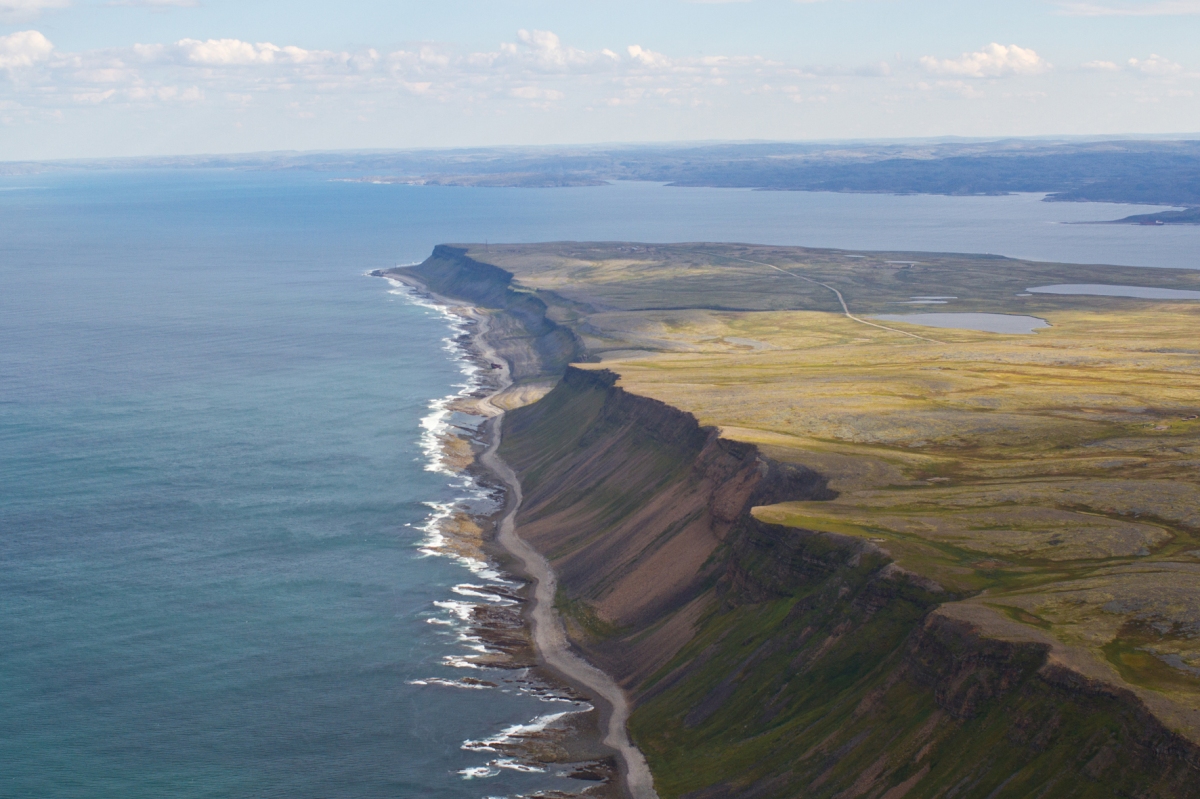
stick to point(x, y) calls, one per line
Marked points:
point(1104, 290)
point(983, 322)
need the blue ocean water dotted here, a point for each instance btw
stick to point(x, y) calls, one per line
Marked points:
point(211, 478)
point(209, 455)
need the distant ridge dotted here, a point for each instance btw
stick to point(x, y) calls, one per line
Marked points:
point(1153, 172)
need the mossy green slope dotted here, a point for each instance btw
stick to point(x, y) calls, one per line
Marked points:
point(955, 564)
point(814, 666)
point(848, 687)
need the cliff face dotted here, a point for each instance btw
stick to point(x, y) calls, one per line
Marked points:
point(631, 500)
point(533, 344)
point(767, 661)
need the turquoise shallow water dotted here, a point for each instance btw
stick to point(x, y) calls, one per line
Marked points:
point(212, 483)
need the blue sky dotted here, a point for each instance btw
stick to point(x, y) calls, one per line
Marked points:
point(140, 77)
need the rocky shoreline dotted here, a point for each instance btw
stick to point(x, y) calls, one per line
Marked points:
point(571, 745)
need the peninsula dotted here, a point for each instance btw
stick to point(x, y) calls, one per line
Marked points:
point(825, 553)
point(1115, 170)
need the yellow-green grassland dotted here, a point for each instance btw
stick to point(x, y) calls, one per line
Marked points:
point(1042, 487)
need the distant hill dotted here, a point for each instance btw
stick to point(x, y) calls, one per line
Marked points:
point(1188, 216)
point(1125, 171)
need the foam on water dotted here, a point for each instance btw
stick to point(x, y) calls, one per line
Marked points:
point(227, 518)
point(436, 426)
point(516, 765)
point(510, 738)
point(481, 592)
point(472, 686)
point(456, 662)
point(461, 610)
point(514, 734)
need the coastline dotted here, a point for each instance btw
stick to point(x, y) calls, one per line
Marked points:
point(549, 636)
point(688, 568)
point(546, 633)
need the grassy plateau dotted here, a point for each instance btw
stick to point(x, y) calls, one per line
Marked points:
point(1048, 483)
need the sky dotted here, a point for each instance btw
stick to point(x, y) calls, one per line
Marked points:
point(94, 78)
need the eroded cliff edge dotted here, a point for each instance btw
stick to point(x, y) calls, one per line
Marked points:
point(770, 661)
point(522, 333)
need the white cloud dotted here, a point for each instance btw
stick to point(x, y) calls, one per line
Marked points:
point(536, 93)
point(961, 88)
point(93, 98)
point(548, 46)
point(164, 93)
point(103, 75)
point(1155, 65)
point(648, 58)
point(235, 52)
point(544, 51)
point(880, 69)
point(226, 52)
point(152, 92)
point(149, 52)
point(23, 49)
point(537, 69)
point(27, 9)
point(1163, 8)
point(155, 3)
point(995, 60)
point(572, 92)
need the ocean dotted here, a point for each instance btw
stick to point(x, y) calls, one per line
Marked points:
point(217, 474)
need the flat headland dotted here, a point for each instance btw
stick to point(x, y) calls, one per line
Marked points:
point(825, 555)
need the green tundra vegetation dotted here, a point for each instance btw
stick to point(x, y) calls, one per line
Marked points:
point(1041, 491)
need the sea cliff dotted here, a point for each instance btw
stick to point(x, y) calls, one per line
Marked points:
point(522, 334)
point(773, 661)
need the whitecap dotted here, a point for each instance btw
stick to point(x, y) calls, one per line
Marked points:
point(463, 610)
point(435, 424)
point(510, 735)
point(434, 538)
point(450, 684)
point(584, 707)
point(481, 568)
point(481, 592)
point(456, 662)
point(516, 765)
point(475, 644)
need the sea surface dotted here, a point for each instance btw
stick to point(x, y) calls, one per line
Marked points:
point(216, 576)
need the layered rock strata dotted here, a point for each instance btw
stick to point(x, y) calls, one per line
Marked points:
point(770, 661)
